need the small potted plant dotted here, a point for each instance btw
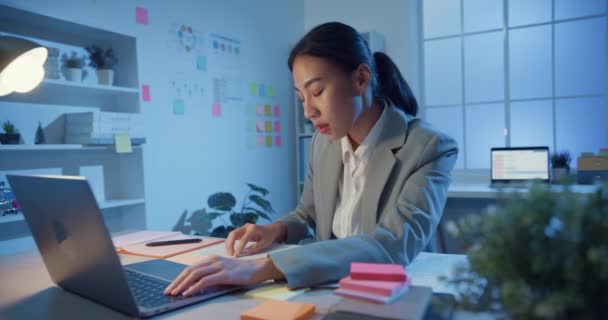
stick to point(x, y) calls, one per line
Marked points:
point(73, 67)
point(560, 165)
point(11, 135)
point(103, 61)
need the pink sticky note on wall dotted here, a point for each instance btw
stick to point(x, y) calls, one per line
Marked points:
point(141, 15)
point(260, 141)
point(259, 126)
point(217, 110)
point(277, 126)
point(277, 141)
point(145, 92)
point(259, 110)
point(277, 111)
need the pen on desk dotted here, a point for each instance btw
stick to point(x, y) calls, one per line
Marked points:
point(172, 242)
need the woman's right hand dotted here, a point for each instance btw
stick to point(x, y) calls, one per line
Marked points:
point(263, 236)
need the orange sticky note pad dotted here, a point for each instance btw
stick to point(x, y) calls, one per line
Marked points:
point(279, 310)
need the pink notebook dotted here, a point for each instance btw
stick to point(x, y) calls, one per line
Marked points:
point(377, 271)
point(379, 287)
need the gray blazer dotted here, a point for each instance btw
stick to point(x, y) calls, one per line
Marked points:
point(404, 196)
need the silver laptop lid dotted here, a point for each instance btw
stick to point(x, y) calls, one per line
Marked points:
point(73, 241)
point(520, 164)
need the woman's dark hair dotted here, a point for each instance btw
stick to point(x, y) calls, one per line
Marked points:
point(343, 46)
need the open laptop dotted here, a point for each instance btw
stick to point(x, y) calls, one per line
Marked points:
point(77, 250)
point(520, 166)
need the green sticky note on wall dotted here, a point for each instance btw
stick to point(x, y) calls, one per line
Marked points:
point(270, 91)
point(178, 107)
point(122, 142)
point(253, 89)
point(201, 63)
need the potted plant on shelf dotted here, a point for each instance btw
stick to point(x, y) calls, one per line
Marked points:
point(103, 61)
point(222, 204)
point(73, 67)
point(560, 165)
point(11, 135)
point(540, 255)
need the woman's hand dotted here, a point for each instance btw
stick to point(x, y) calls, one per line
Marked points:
point(262, 235)
point(217, 270)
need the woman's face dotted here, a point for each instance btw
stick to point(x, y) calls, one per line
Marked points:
point(331, 98)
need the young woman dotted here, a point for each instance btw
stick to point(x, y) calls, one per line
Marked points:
point(377, 176)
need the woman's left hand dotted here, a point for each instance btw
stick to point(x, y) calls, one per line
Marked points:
point(216, 270)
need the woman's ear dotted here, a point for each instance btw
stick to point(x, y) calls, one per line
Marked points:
point(361, 78)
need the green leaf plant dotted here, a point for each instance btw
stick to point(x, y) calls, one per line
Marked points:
point(222, 206)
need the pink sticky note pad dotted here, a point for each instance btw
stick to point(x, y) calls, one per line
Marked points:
point(145, 92)
point(384, 288)
point(277, 111)
point(259, 110)
point(377, 271)
point(217, 110)
point(260, 141)
point(277, 126)
point(277, 141)
point(141, 15)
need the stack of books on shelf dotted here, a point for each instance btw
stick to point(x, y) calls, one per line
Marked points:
point(99, 128)
point(377, 282)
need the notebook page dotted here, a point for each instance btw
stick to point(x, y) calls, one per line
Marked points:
point(170, 250)
point(139, 237)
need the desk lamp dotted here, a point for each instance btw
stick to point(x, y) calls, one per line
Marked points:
point(21, 64)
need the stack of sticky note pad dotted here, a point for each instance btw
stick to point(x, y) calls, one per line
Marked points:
point(377, 282)
point(279, 310)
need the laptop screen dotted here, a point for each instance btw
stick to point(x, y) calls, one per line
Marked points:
point(520, 164)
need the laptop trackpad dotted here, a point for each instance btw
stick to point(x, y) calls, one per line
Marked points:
point(163, 269)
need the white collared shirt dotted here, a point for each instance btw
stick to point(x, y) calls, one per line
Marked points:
point(347, 220)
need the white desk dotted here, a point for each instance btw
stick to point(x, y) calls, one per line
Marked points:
point(482, 190)
point(27, 292)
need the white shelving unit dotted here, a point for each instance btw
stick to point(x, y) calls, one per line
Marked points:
point(118, 180)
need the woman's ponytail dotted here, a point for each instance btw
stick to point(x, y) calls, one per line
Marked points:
point(392, 86)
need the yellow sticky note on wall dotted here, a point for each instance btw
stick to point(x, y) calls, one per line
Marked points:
point(122, 142)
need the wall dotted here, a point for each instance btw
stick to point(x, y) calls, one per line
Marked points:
point(396, 20)
point(192, 155)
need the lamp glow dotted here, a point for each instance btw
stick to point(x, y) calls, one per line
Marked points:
point(21, 65)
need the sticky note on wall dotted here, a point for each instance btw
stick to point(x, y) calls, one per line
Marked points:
point(270, 91)
point(277, 126)
point(259, 110)
point(145, 92)
point(178, 107)
point(268, 126)
point(253, 89)
point(201, 63)
point(267, 110)
point(277, 141)
point(277, 111)
point(217, 110)
point(268, 141)
point(141, 15)
point(122, 142)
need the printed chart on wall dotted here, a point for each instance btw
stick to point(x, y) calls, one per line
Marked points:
point(225, 71)
point(188, 81)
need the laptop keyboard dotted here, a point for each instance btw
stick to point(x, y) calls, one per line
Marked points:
point(148, 291)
